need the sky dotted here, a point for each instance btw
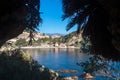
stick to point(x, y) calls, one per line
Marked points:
point(52, 21)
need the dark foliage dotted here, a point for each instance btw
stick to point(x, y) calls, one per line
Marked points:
point(97, 19)
point(14, 65)
point(98, 66)
point(17, 15)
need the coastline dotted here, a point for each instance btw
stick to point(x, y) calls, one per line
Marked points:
point(37, 47)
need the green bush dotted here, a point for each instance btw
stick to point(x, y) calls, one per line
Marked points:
point(21, 42)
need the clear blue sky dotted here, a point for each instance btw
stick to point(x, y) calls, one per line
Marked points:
point(52, 21)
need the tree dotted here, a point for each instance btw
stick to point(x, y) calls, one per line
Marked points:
point(17, 15)
point(99, 20)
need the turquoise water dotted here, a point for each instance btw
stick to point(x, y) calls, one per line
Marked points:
point(62, 59)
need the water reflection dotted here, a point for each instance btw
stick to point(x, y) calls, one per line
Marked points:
point(59, 59)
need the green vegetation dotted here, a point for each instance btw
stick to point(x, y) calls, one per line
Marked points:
point(16, 16)
point(52, 40)
point(16, 65)
point(97, 19)
point(69, 36)
point(96, 64)
point(21, 42)
point(99, 66)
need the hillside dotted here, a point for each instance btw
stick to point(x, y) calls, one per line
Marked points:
point(43, 40)
point(72, 39)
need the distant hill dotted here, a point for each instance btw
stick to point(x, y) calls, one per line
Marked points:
point(70, 39)
point(55, 34)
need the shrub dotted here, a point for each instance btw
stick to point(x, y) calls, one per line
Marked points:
point(15, 65)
